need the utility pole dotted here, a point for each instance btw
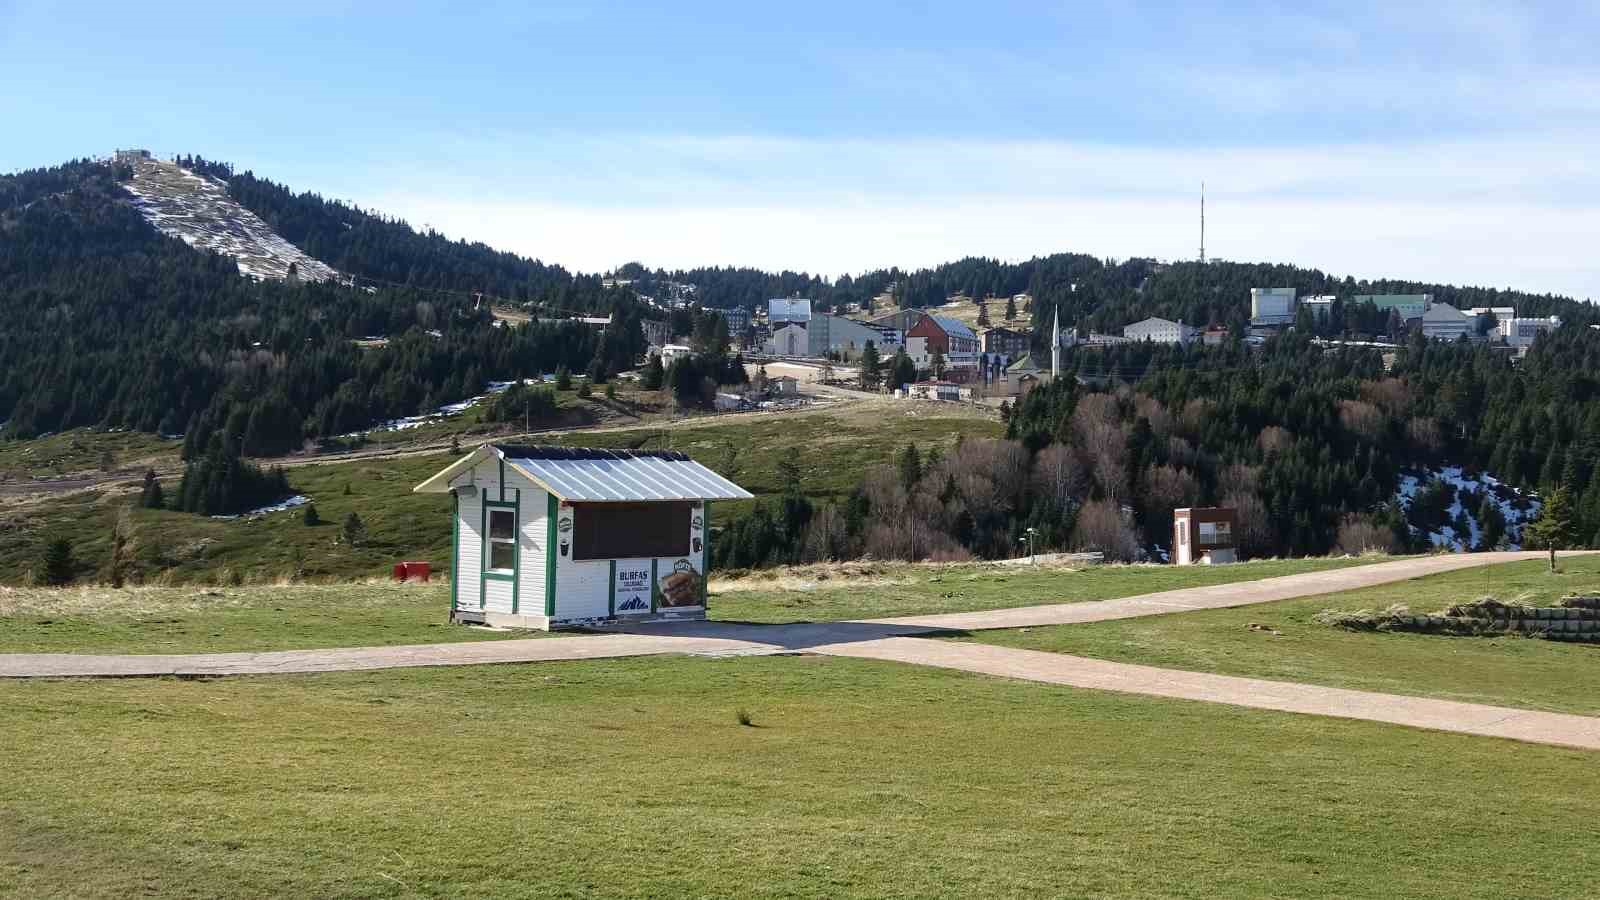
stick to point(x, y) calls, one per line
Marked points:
point(1202, 223)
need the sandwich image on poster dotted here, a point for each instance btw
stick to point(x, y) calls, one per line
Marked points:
point(681, 586)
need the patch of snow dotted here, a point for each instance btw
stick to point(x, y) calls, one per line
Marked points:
point(1516, 506)
point(199, 212)
point(406, 423)
point(280, 506)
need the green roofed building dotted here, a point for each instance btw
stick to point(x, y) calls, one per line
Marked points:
point(1409, 306)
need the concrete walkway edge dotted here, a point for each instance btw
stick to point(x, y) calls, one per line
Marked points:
point(1560, 729)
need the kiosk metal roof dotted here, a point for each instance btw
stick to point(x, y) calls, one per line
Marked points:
point(584, 475)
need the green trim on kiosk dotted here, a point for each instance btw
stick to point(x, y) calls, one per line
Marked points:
point(516, 551)
point(553, 508)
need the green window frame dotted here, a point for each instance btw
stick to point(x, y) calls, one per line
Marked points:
point(488, 541)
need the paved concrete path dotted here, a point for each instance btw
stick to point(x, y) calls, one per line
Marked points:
point(76, 665)
point(895, 640)
point(1076, 671)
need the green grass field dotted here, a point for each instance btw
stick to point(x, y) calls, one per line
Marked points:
point(875, 590)
point(198, 619)
point(832, 448)
point(1506, 671)
point(631, 778)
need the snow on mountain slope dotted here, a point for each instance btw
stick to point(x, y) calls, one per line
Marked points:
point(198, 210)
point(1467, 494)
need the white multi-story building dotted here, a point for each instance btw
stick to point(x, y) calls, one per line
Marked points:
point(672, 352)
point(1162, 331)
point(1522, 332)
point(1272, 306)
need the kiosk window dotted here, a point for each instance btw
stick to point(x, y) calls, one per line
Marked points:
point(502, 539)
point(630, 530)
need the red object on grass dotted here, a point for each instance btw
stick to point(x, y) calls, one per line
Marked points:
point(412, 571)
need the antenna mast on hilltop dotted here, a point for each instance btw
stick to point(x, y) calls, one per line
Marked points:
point(1202, 222)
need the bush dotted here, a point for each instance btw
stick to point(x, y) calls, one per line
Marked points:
point(310, 517)
point(563, 378)
point(585, 390)
point(1361, 619)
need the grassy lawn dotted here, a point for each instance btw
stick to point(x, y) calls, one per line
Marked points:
point(256, 617)
point(631, 778)
point(833, 448)
point(1505, 671)
point(875, 590)
point(203, 620)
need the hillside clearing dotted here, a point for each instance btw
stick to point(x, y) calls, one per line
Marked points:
point(180, 548)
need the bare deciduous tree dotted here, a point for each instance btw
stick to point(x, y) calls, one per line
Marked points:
point(1102, 526)
point(1424, 434)
point(826, 536)
point(1253, 536)
point(1273, 438)
point(1193, 420)
point(1238, 478)
point(1361, 418)
point(1160, 420)
point(1392, 395)
point(1060, 477)
point(1359, 534)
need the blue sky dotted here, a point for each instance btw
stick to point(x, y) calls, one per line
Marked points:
point(1449, 141)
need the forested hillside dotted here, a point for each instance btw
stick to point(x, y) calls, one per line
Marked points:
point(110, 323)
point(1308, 444)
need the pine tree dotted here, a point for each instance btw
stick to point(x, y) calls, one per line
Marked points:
point(1011, 308)
point(910, 466)
point(936, 363)
point(355, 530)
point(871, 368)
point(563, 378)
point(1554, 529)
point(654, 375)
point(56, 563)
point(311, 517)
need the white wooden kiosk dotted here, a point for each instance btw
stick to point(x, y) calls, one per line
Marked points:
point(547, 537)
